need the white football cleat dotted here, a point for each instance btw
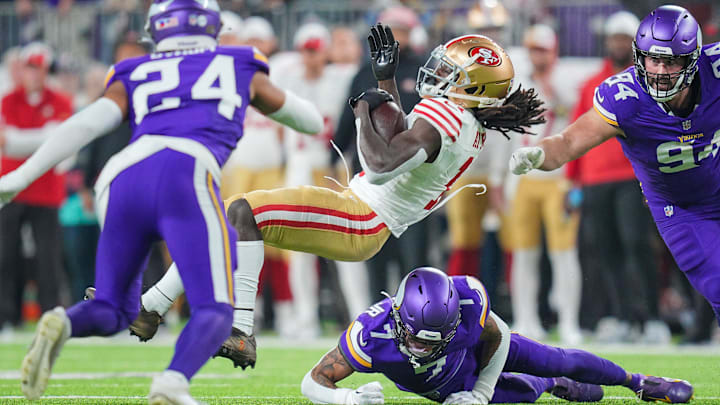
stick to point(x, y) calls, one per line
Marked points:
point(50, 336)
point(171, 388)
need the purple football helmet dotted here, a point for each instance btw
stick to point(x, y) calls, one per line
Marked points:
point(426, 310)
point(667, 32)
point(183, 18)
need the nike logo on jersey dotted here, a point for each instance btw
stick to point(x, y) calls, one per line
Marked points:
point(599, 96)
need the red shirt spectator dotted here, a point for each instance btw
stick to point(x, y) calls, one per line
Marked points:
point(29, 113)
point(603, 163)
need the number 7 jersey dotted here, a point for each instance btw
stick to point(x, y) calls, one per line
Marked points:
point(675, 158)
point(200, 94)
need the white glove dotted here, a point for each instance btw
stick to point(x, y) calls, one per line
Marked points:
point(464, 398)
point(525, 159)
point(10, 185)
point(368, 394)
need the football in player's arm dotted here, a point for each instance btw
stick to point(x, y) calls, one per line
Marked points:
point(437, 337)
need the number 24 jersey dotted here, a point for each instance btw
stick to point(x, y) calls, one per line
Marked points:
point(200, 94)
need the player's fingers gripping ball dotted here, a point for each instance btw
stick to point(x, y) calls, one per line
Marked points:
point(385, 115)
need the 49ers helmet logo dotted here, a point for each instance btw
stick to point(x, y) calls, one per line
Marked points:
point(487, 57)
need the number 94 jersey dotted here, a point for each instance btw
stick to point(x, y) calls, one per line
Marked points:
point(200, 94)
point(675, 158)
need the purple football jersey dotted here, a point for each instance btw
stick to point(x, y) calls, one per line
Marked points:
point(369, 347)
point(200, 94)
point(675, 158)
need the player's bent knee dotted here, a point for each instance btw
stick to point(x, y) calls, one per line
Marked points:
point(241, 218)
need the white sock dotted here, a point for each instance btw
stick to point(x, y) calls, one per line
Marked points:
point(567, 283)
point(304, 286)
point(160, 297)
point(525, 286)
point(354, 284)
point(250, 258)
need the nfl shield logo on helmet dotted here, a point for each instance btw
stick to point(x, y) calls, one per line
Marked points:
point(165, 23)
point(669, 211)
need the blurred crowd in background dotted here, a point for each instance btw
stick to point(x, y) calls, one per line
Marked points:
point(570, 255)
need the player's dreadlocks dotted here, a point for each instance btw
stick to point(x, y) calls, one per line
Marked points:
point(520, 110)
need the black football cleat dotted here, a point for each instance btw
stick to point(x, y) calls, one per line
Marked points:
point(575, 391)
point(146, 324)
point(240, 348)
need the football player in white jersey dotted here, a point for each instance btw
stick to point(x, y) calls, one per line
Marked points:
point(466, 87)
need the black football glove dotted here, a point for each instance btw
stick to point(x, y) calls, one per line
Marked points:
point(374, 97)
point(384, 54)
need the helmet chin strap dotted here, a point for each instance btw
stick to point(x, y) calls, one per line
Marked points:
point(185, 42)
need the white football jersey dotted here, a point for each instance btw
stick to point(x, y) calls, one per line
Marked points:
point(411, 196)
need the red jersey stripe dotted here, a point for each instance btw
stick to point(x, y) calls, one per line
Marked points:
point(433, 119)
point(313, 210)
point(444, 116)
point(446, 108)
point(321, 226)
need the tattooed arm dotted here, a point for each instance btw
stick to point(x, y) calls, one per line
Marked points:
point(319, 383)
point(331, 369)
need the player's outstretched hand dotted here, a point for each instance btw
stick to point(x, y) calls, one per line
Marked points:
point(368, 394)
point(384, 53)
point(10, 185)
point(464, 398)
point(525, 159)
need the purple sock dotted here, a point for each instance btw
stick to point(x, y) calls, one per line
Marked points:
point(634, 382)
point(96, 318)
point(201, 338)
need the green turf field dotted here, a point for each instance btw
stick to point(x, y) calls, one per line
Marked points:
point(118, 371)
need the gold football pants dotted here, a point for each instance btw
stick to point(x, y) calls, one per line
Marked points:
point(317, 220)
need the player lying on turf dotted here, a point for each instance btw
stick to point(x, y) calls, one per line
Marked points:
point(465, 85)
point(665, 112)
point(438, 338)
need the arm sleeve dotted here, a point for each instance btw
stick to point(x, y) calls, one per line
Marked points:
point(298, 114)
point(69, 137)
point(318, 394)
point(21, 143)
point(485, 384)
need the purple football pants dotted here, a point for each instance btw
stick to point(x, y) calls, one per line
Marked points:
point(694, 241)
point(538, 363)
point(169, 196)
